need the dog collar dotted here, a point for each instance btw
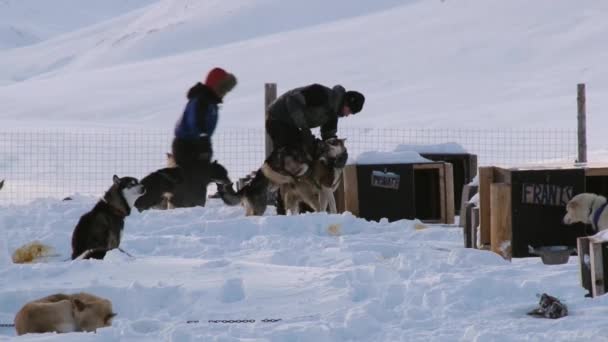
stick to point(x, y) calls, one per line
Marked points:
point(596, 216)
point(115, 210)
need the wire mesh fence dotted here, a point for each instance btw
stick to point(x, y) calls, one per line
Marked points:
point(51, 163)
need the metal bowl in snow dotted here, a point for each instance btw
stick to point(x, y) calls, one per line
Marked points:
point(552, 255)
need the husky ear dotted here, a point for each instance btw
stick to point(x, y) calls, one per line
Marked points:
point(78, 304)
point(116, 179)
point(573, 204)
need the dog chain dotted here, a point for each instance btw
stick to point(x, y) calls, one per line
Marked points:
point(265, 320)
point(222, 321)
point(230, 321)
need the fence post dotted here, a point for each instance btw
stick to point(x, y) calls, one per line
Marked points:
point(582, 124)
point(270, 94)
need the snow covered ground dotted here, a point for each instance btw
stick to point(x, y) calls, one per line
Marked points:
point(327, 277)
point(487, 64)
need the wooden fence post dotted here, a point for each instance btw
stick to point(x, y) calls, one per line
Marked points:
point(582, 124)
point(270, 94)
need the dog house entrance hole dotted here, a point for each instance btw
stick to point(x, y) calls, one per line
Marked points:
point(427, 194)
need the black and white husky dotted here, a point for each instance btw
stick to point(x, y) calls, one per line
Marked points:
point(253, 195)
point(100, 230)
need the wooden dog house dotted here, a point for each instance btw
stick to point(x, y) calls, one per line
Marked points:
point(398, 191)
point(524, 206)
point(593, 264)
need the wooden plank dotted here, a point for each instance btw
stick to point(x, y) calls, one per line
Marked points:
point(500, 225)
point(486, 176)
point(597, 269)
point(351, 190)
point(442, 200)
point(582, 246)
point(596, 171)
point(426, 166)
point(448, 175)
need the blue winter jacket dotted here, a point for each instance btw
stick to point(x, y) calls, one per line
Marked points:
point(200, 115)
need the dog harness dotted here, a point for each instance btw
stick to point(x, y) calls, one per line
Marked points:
point(596, 216)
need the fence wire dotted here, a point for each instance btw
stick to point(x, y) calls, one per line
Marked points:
point(57, 164)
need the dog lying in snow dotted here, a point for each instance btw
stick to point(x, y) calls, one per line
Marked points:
point(63, 313)
point(587, 208)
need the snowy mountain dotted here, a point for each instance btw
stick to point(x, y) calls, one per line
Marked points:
point(28, 22)
point(469, 63)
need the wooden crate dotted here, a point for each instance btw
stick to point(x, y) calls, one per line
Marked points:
point(400, 191)
point(593, 264)
point(525, 206)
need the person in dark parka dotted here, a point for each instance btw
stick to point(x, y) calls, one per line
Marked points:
point(293, 114)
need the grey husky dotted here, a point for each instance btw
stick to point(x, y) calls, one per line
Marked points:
point(316, 188)
point(283, 166)
point(100, 230)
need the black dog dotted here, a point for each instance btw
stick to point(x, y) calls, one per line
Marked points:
point(100, 230)
point(191, 191)
point(160, 186)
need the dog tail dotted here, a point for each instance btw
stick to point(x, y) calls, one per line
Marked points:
point(274, 176)
point(228, 195)
point(32, 252)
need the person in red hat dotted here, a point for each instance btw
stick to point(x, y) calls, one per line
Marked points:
point(193, 131)
point(293, 114)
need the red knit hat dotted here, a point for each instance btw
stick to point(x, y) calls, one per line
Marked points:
point(220, 81)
